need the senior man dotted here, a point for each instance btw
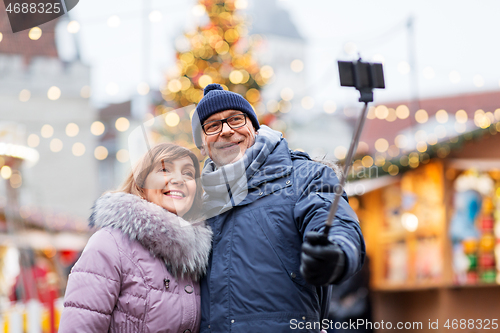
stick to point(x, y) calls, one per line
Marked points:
point(267, 206)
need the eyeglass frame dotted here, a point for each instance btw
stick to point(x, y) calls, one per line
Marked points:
point(222, 121)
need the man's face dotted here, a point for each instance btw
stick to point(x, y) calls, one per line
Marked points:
point(229, 145)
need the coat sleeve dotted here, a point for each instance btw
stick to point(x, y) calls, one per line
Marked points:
point(316, 193)
point(93, 287)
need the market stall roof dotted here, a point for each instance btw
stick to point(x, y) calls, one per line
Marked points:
point(40, 240)
point(46, 219)
point(389, 127)
point(363, 186)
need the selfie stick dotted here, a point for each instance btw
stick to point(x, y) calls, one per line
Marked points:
point(365, 77)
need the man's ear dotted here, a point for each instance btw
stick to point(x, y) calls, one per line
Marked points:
point(203, 152)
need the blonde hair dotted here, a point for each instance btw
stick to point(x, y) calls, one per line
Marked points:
point(134, 183)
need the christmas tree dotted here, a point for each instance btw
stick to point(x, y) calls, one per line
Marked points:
point(217, 52)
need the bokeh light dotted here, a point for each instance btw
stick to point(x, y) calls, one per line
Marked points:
point(78, 149)
point(122, 124)
point(56, 145)
point(24, 95)
point(329, 107)
point(73, 27)
point(402, 112)
point(97, 128)
point(33, 140)
point(442, 116)
point(421, 116)
point(54, 93)
point(122, 155)
point(381, 145)
point(297, 65)
point(35, 33)
point(100, 153)
point(47, 131)
point(172, 119)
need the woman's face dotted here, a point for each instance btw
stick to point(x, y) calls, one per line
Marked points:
point(172, 185)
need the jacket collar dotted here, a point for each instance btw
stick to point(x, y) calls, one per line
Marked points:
point(182, 245)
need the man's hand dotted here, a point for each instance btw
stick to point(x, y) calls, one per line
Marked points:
point(322, 261)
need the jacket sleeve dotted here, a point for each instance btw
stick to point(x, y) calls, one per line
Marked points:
point(316, 194)
point(93, 287)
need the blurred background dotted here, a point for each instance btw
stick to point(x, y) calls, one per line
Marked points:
point(425, 181)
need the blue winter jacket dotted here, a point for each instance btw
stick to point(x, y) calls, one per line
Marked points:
point(253, 283)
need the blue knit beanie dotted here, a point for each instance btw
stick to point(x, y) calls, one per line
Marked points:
point(216, 99)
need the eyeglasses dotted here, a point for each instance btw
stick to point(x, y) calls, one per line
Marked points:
point(215, 127)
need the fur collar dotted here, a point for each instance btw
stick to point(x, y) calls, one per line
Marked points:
point(184, 246)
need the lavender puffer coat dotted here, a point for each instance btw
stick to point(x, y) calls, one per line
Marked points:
point(121, 282)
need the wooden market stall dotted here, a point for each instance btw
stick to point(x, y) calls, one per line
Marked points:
point(435, 251)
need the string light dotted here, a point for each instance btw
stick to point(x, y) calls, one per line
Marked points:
point(297, 65)
point(72, 130)
point(54, 93)
point(47, 131)
point(33, 140)
point(329, 107)
point(35, 33)
point(1, 36)
point(122, 124)
point(24, 95)
point(172, 119)
point(393, 170)
point(97, 128)
point(340, 152)
point(286, 94)
point(100, 153)
point(381, 145)
point(367, 161)
point(73, 27)
point(56, 145)
point(266, 72)
point(85, 92)
point(6, 172)
point(402, 112)
point(122, 155)
point(461, 116)
point(392, 115)
point(198, 10)
point(381, 112)
point(272, 106)
point(203, 81)
point(241, 4)
point(307, 102)
point(16, 180)
point(442, 116)
point(236, 77)
point(78, 149)
point(421, 116)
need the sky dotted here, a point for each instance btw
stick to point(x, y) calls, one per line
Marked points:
point(454, 43)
